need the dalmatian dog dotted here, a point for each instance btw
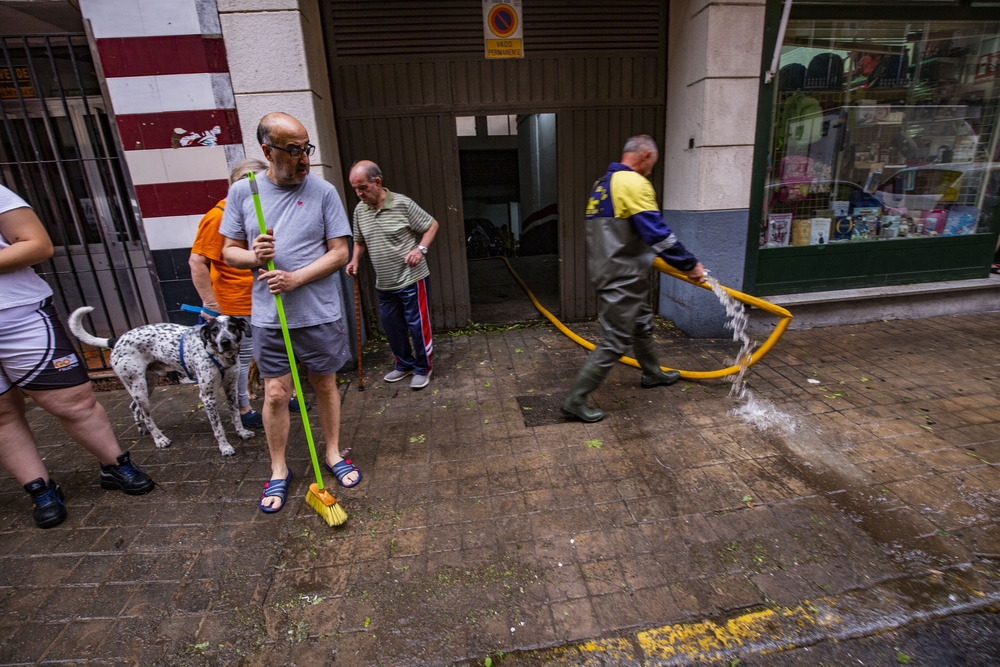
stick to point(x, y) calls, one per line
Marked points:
point(208, 354)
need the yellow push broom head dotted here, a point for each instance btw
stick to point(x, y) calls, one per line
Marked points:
point(325, 505)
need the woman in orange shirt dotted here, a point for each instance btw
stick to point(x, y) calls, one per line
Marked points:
point(223, 289)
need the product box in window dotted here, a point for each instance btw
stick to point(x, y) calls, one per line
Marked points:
point(819, 231)
point(864, 227)
point(961, 220)
point(797, 172)
point(843, 229)
point(801, 230)
point(859, 230)
point(933, 221)
point(865, 223)
point(889, 226)
point(779, 228)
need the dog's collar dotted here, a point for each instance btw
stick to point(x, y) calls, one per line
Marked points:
point(222, 369)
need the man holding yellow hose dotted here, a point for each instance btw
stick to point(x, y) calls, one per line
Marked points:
point(625, 232)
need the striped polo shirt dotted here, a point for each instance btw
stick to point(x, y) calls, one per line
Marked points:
point(389, 234)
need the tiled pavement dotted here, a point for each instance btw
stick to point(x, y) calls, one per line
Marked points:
point(473, 532)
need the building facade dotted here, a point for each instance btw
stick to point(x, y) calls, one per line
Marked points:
point(875, 178)
point(875, 130)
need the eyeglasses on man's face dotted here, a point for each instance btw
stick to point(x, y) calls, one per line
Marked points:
point(296, 151)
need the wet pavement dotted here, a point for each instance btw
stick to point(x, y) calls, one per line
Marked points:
point(486, 526)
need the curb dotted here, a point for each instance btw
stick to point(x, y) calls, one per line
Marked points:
point(890, 605)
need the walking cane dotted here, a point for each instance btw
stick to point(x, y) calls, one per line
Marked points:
point(357, 320)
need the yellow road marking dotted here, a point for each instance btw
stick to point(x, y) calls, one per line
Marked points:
point(680, 643)
point(615, 651)
point(707, 639)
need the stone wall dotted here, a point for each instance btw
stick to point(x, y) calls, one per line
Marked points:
point(714, 69)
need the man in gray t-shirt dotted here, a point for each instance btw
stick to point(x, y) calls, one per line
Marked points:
point(306, 238)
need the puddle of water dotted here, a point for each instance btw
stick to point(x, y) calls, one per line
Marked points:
point(825, 467)
point(758, 412)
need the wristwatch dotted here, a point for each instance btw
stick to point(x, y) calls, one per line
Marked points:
point(422, 249)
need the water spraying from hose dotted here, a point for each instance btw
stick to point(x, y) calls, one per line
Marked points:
point(758, 412)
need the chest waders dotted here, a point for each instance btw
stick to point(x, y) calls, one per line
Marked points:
point(619, 262)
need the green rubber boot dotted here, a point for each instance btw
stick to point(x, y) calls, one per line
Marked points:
point(575, 405)
point(652, 376)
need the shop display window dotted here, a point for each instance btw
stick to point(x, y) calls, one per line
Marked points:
point(883, 131)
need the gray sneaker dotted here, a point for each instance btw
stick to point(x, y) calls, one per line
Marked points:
point(420, 381)
point(396, 376)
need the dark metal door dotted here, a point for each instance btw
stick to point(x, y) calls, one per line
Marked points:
point(58, 151)
point(400, 70)
point(587, 140)
point(419, 158)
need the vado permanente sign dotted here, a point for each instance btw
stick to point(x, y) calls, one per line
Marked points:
point(502, 28)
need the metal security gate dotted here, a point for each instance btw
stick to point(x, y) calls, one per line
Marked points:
point(58, 151)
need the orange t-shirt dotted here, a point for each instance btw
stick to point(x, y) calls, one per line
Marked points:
point(232, 287)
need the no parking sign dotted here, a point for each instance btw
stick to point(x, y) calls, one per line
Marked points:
point(502, 28)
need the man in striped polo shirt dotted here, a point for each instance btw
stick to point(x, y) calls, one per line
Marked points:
point(396, 233)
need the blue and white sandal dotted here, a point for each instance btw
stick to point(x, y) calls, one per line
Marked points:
point(275, 488)
point(343, 469)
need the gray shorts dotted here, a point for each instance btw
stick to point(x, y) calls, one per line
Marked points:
point(323, 349)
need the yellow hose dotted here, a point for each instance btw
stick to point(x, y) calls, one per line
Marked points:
point(663, 267)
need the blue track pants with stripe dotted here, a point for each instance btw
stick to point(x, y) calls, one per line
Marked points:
point(406, 314)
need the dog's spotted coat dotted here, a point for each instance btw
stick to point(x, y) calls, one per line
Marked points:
point(144, 353)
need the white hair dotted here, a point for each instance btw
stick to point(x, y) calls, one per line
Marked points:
point(640, 143)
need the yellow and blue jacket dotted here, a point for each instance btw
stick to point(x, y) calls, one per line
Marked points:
point(625, 195)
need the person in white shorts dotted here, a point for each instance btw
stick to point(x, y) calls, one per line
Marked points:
point(38, 360)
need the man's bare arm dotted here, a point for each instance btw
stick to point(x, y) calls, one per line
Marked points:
point(359, 251)
point(413, 257)
point(429, 235)
point(201, 276)
point(236, 254)
point(333, 259)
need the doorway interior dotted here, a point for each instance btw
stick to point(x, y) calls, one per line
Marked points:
point(510, 206)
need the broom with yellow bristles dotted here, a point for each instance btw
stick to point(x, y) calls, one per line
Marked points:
point(318, 497)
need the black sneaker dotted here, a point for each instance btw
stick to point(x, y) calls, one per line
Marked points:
point(48, 499)
point(125, 476)
point(252, 419)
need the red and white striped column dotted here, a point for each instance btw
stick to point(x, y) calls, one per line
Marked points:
point(168, 80)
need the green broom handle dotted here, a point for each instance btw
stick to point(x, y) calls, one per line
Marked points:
point(288, 342)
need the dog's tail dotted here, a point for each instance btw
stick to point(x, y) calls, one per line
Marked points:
point(76, 326)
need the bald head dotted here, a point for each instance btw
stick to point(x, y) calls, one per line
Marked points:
point(285, 143)
point(366, 179)
point(274, 123)
point(368, 168)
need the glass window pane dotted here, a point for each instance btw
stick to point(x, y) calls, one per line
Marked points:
point(465, 126)
point(497, 126)
point(883, 130)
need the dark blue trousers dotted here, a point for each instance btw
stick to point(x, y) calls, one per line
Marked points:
point(406, 314)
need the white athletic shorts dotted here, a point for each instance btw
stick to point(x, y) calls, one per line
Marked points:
point(35, 351)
